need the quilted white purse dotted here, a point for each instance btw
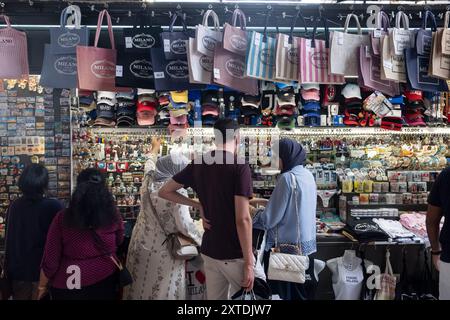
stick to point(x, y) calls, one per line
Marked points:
point(285, 266)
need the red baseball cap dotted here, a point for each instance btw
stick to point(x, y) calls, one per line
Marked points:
point(413, 95)
point(145, 113)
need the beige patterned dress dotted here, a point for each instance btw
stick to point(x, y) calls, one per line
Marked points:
point(156, 275)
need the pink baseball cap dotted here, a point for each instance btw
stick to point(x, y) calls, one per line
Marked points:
point(178, 120)
point(312, 94)
point(210, 110)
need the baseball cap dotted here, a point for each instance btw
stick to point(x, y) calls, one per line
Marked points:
point(146, 105)
point(163, 100)
point(179, 96)
point(103, 122)
point(125, 95)
point(311, 106)
point(210, 110)
point(330, 93)
point(210, 98)
point(285, 97)
point(310, 86)
point(147, 98)
point(145, 117)
point(108, 97)
point(397, 100)
point(164, 117)
point(351, 90)
point(126, 109)
point(415, 119)
point(141, 91)
point(284, 111)
point(413, 95)
point(251, 101)
point(209, 120)
point(105, 110)
point(247, 111)
point(310, 95)
point(178, 112)
point(286, 123)
point(125, 121)
point(312, 119)
point(178, 120)
point(175, 105)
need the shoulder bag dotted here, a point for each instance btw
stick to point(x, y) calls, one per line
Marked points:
point(235, 38)
point(286, 262)
point(181, 247)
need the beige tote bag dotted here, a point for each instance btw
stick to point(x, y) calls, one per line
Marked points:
point(445, 38)
point(401, 38)
point(206, 38)
point(200, 65)
point(344, 50)
point(393, 67)
point(439, 63)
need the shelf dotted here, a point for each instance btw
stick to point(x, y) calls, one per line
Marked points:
point(401, 207)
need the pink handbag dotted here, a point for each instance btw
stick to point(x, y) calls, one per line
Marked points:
point(234, 38)
point(13, 52)
point(97, 66)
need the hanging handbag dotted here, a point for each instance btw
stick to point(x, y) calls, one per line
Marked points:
point(286, 262)
point(13, 52)
point(260, 58)
point(64, 40)
point(344, 49)
point(175, 42)
point(58, 70)
point(444, 38)
point(229, 71)
point(142, 38)
point(313, 59)
point(200, 66)
point(418, 59)
point(440, 62)
point(125, 277)
point(379, 32)
point(96, 66)
point(401, 38)
point(234, 38)
point(286, 56)
point(207, 39)
point(134, 69)
point(181, 247)
point(387, 282)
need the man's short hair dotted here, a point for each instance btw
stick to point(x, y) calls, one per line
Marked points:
point(225, 130)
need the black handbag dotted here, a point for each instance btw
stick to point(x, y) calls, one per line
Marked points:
point(124, 275)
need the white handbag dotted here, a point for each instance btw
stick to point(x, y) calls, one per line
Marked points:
point(284, 266)
point(206, 39)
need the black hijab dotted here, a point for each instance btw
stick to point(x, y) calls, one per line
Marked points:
point(291, 153)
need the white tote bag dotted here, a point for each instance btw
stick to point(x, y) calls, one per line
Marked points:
point(200, 65)
point(344, 50)
point(401, 38)
point(207, 39)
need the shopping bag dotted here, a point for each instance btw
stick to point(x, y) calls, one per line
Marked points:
point(387, 282)
point(200, 66)
point(260, 58)
point(207, 39)
point(141, 38)
point(13, 52)
point(64, 40)
point(371, 74)
point(134, 69)
point(439, 62)
point(344, 49)
point(313, 59)
point(234, 38)
point(58, 70)
point(401, 38)
point(418, 59)
point(175, 42)
point(96, 66)
point(170, 75)
point(286, 55)
point(229, 71)
point(381, 30)
point(445, 37)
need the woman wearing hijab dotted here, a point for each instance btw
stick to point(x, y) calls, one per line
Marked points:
point(289, 217)
point(156, 274)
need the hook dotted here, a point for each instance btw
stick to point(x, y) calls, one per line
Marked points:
point(236, 6)
point(210, 6)
point(400, 8)
point(226, 9)
point(178, 7)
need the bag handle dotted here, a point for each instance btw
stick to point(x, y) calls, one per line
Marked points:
point(268, 14)
point(174, 19)
point(152, 207)
point(347, 22)
point(65, 13)
point(382, 21)
point(207, 15)
point(327, 36)
point(401, 17)
point(6, 18)
point(447, 20)
point(101, 245)
point(430, 14)
point(242, 19)
point(294, 22)
point(388, 268)
point(99, 28)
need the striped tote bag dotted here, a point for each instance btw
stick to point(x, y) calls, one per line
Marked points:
point(313, 60)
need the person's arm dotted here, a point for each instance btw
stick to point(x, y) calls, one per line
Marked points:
point(274, 212)
point(244, 230)
point(42, 286)
point(169, 191)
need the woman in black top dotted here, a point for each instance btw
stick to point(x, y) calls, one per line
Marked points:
point(28, 221)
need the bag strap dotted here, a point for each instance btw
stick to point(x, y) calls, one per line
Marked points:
point(268, 14)
point(401, 17)
point(388, 268)
point(347, 22)
point(294, 22)
point(242, 19)
point(75, 11)
point(152, 207)
point(101, 245)
point(447, 20)
point(430, 14)
point(327, 36)
point(382, 21)
point(174, 19)
point(207, 15)
point(99, 28)
point(6, 18)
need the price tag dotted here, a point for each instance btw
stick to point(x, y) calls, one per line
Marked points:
point(367, 52)
point(340, 39)
point(257, 39)
point(216, 73)
point(166, 45)
point(159, 75)
point(128, 42)
point(377, 33)
point(286, 42)
point(119, 71)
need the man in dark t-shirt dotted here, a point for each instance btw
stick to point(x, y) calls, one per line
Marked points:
point(223, 184)
point(439, 206)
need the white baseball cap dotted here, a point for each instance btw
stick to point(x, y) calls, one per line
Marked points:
point(107, 97)
point(351, 90)
point(309, 86)
point(141, 91)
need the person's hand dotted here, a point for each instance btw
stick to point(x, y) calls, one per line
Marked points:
point(253, 211)
point(41, 292)
point(258, 202)
point(436, 261)
point(249, 278)
point(205, 222)
point(156, 143)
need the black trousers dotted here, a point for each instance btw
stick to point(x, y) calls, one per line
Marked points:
point(106, 289)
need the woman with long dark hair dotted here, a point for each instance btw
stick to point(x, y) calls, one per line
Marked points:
point(81, 244)
point(28, 220)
